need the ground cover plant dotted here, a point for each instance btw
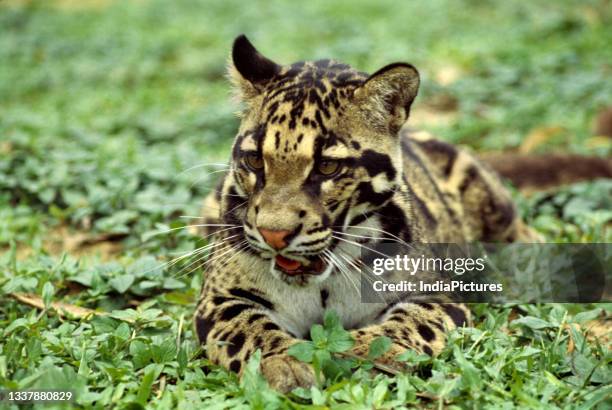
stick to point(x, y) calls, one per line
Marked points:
point(116, 119)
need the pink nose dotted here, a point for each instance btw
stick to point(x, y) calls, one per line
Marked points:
point(275, 239)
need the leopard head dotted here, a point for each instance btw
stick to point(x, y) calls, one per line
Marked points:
point(317, 148)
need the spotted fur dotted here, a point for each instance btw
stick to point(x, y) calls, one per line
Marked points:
point(390, 184)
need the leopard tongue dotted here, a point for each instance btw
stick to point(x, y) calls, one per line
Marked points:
point(287, 264)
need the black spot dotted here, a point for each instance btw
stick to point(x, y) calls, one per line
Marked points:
point(245, 294)
point(426, 332)
point(219, 334)
point(258, 342)
point(219, 300)
point(320, 121)
point(275, 343)
point(233, 311)
point(441, 148)
point(395, 223)
point(334, 206)
point(361, 218)
point(456, 314)
point(315, 230)
point(470, 176)
point(271, 326)
point(203, 326)
point(426, 306)
point(367, 194)
point(438, 324)
point(302, 213)
point(344, 77)
point(324, 296)
point(406, 334)
point(272, 110)
point(356, 145)
point(255, 317)
point(311, 243)
point(235, 366)
point(234, 203)
point(402, 343)
point(427, 350)
point(236, 344)
point(376, 163)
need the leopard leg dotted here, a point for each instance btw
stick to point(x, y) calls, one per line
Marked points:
point(420, 327)
point(487, 208)
point(234, 325)
point(487, 204)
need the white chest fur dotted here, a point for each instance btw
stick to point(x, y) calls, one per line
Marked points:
point(297, 308)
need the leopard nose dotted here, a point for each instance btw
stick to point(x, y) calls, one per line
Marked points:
point(276, 239)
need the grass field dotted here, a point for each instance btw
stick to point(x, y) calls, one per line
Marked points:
point(108, 107)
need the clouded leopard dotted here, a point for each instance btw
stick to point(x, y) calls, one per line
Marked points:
point(320, 165)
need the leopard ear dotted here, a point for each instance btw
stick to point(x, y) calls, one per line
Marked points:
point(250, 71)
point(388, 94)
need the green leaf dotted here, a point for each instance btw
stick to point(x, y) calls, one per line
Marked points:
point(583, 317)
point(470, 375)
point(339, 340)
point(16, 324)
point(164, 352)
point(141, 354)
point(171, 283)
point(331, 320)
point(144, 390)
point(413, 357)
point(379, 347)
point(182, 359)
point(532, 323)
point(103, 324)
point(303, 351)
point(317, 334)
point(123, 331)
point(255, 388)
point(122, 283)
point(47, 294)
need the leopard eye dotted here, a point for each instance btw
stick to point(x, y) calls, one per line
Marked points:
point(329, 167)
point(254, 161)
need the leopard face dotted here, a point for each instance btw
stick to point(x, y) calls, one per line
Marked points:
point(317, 149)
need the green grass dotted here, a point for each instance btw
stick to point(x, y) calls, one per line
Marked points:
point(105, 110)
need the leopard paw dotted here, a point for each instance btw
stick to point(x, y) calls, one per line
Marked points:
point(284, 373)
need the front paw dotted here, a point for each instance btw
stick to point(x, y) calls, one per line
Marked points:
point(284, 373)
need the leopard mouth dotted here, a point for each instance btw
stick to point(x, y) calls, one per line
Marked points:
point(293, 267)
